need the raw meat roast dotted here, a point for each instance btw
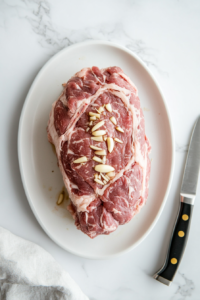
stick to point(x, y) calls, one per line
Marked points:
point(98, 129)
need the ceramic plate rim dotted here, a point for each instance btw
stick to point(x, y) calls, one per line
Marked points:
point(36, 79)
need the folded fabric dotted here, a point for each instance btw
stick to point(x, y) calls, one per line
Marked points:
point(28, 272)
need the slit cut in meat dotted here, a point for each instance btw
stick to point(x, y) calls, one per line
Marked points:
point(99, 207)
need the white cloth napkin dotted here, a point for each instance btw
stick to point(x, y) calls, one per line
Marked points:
point(28, 272)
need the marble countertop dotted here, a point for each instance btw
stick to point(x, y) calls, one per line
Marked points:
point(166, 35)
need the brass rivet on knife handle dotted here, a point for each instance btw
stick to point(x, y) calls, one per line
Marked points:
point(185, 217)
point(181, 233)
point(177, 245)
point(174, 261)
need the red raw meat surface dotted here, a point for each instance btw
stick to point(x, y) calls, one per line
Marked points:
point(100, 209)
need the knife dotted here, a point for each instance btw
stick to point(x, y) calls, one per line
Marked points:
point(187, 197)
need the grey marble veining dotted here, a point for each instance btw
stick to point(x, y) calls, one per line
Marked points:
point(184, 290)
point(38, 15)
point(181, 148)
point(84, 269)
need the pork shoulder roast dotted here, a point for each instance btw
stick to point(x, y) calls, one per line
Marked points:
point(98, 130)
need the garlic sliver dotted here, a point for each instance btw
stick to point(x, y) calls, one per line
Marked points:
point(99, 132)
point(105, 138)
point(97, 138)
point(80, 160)
point(118, 140)
point(60, 199)
point(108, 107)
point(92, 114)
point(95, 148)
point(98, 125)
point(105, 178)
point(104, 168)
point(113, 120)
point(110, 144)
point(104, 160)
point(95, 158)
point(98, 181)
point(119, 129)
point(101, 152)
point(100, 109)
point(111, 174)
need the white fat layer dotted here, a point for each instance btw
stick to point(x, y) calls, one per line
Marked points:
point(115, 211)
point(63, 99)
point(144, 171)
point(130, 190)
point(81, 73)
point(69, 151)
point(74, 186)
point(109, 228)
point(129, 81)
point(80, 141)
point(86, 217)
point(81, 202)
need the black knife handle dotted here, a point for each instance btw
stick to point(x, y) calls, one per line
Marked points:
point(177, 244)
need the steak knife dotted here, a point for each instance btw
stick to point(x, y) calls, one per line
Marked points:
point(187, 197)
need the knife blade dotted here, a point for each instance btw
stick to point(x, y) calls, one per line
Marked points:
point(187, 197)
point(191, 172)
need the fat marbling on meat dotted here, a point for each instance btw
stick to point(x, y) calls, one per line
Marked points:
point(96, 208)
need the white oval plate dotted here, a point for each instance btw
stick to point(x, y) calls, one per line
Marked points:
point(37, 160)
